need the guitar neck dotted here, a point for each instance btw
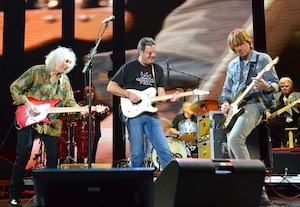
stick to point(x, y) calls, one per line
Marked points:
point(54, 110)
point(283, 109)
point(170, 96)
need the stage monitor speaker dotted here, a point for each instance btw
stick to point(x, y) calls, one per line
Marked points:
point(206, 183)
point(94, 187)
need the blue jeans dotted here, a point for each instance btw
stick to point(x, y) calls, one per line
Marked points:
point(150, 126)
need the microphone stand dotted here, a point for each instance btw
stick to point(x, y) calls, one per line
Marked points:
point(198, 100)
point(194, 76)
point(270, 151)
point(88, 67)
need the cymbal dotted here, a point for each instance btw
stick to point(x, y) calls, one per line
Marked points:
point(205, 106)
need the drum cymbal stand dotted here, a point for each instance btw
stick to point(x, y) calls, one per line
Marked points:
point(70, 145)
point(39, 158)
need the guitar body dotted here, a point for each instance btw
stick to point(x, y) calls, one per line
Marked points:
point(234, 112)
point(24, 119)
point(132, 110)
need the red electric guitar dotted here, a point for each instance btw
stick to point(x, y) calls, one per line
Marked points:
point(24, 119)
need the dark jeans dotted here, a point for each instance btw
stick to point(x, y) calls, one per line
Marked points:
point(24, 147)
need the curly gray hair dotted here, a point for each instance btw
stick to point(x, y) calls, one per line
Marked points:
point(57, 56)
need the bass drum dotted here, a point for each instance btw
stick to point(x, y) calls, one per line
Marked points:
point(177, 148)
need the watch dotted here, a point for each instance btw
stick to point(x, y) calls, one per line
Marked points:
point(270, 88)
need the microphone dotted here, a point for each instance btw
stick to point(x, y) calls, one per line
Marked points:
point(168, 68)
point(111, 18)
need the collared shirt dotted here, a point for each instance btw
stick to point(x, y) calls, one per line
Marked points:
point(35, 83)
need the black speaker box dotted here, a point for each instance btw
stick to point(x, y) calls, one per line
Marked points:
point(127, 187)
point(210, 183)
point(218, 139)
point(286, 160)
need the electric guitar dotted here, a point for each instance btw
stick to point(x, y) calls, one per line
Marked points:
point(148, 97)
point(24, 119)
point(285, 108)
point(235, 109)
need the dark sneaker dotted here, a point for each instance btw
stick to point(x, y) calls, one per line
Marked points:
point(14, 203)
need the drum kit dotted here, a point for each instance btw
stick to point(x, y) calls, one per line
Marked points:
point(75, 133)
point(186, 143)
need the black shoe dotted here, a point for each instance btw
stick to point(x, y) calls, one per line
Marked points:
point(14, 202)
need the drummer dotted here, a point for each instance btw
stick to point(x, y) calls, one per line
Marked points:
point(187, 114)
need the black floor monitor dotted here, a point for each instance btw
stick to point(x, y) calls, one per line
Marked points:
point(94, 187)
point(210, 183)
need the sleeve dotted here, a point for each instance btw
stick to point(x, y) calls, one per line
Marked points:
point(69, 95)
point(20, 85)
point(227, 87)
point(159, 73)
point(119, 76)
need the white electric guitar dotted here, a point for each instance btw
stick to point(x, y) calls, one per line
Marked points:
point(148, 97)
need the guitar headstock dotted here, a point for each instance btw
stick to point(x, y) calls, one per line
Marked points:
point(101, 109)
point(200, 92)
point(271, 64)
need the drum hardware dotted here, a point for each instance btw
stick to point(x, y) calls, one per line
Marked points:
point(66, 142)
point(123, 163)
point(148, 162)
point(39, 158)
point(70, 145)
point(190, 147)
point(82, 136)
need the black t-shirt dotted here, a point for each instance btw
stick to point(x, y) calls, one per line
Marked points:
point(133, 75)
point(180, 117)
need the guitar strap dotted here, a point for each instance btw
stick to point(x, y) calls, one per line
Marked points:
point(252, 70)
point(153, 74)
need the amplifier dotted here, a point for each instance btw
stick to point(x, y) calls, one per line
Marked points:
point(218, 138)
point(286, 160)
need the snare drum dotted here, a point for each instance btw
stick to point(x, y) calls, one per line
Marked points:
point(188, 130)
point(176, 147)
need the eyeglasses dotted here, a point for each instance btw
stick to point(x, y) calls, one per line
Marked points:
point(150, 53)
